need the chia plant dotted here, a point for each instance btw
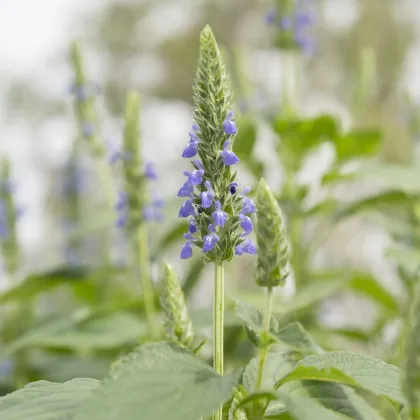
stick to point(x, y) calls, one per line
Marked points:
point(215, 206)
point(292, 21)
point(134, 206)
point(9, 215)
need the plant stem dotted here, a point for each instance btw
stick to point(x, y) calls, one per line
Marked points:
point(146, 283)
point(218, 324)
point(268, 306)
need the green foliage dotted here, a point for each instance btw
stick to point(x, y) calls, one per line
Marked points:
point(273, 245)
point(160, 381)
point(46, 400)
point(177, 322)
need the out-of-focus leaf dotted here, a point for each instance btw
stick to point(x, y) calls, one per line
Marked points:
point(108, 332)
point(374, 202)
point(406, 257)
point(367, 285)
point(40, 283)
point(193, 276)
point(393, 177)
point(301, 135)
point(357, 143)
point(47, 400)
point(160, 381)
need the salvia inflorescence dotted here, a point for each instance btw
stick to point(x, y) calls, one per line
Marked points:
point(293, 20)
point(217, 208)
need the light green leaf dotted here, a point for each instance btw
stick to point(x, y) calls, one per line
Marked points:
point(331, 395)
point(367, 285)
point(302, 408)
point(108, 332)
point(292, 335)
point(159, 381)
point(47, 400)
point(357, 143)
point(352, 369)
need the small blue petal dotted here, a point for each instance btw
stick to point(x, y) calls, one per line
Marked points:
point(219, 216)
point(187, 209)
point(192, 227)
point(186, 190)
point(150, 171)
point(190, 150)
point(186, 251)
point(246, 224)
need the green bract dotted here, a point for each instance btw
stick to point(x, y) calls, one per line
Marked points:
point(273, 245)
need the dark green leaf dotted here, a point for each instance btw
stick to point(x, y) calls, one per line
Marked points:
point(357, 143)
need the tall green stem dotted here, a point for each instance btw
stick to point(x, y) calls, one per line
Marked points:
point(146, 283)
point(218, 323)
point(268, 308)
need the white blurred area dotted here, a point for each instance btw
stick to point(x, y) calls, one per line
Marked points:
point(31, 34)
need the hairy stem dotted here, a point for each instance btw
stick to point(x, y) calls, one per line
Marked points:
point(268, 307)
point(218, 323)
point(146, 283)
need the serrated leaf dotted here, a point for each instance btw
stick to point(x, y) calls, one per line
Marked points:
point(352, 369)
point(331, 395)
point(47, 400)
point(160, 381)
point(293, 335)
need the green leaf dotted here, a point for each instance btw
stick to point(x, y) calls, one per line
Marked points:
point(357, 143)
point(108, 332)
point(367, 285)
point(331, 395)
point(352, 369)
point(47, 400)
point(307, 409)
point(40, 283)
point(373, 203)
point(159, 381)
point(300, 136)
point(292, 335)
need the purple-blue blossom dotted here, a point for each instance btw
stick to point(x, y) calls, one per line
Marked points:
point(87, 129)
point(229, 158)
point(232, 187)
point(187, 209)
point(270, 16)
point(248, 205)
point(195, 177)
point(219, 216)
point(192, 147)
point(246, 224)
point(210, 240)
point(229, 126)
point(150, 171)
point(121, 200)
point(247, 246)
point(207, 196)
point(192, 227)
point(186, 190)
point(186, 251)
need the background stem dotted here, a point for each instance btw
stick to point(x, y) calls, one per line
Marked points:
point(218, 323)
point(146, 283)
point(268, 307)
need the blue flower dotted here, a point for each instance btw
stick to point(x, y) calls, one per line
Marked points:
point(248, 206)
point(246, 224)
point(150, 172)
point(286, 23)
point(122, 220)
point(210, 240)
point(207, 196)
point(186, 190)
point(228, 125)
point(195, 177)
point(229, 158)
point(192, 147)
point(187, 209)
point(270, 16)
point(153, 211)
point(121, 201)
point(186, 251)
point(219, 216)
point(247, 246)
point(192, 227)
point(87, 129)
point(232, 187)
